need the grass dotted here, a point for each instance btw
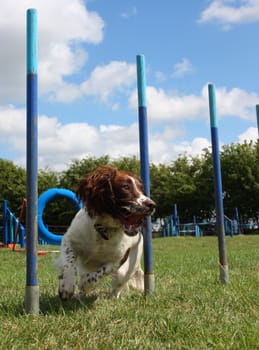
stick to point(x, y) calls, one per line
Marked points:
point(190, 309)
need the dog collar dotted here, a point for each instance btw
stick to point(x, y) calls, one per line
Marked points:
point(102, 231)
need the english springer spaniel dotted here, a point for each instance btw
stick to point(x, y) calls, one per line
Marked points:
point(105, 235)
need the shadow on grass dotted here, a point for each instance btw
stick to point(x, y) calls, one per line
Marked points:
point(50, 305)
point(53, 304)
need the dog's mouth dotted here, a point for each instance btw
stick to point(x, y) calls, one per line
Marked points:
point(132, 224)
point(132, 218)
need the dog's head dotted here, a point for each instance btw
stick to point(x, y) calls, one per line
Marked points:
point(119, 194)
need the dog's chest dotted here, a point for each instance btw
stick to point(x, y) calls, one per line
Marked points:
point(93, 249)
point(102, 252)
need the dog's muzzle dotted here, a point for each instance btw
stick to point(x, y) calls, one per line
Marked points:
point(134, 213)
point(144, 207)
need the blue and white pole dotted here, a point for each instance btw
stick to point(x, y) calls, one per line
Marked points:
point(223, 266)
point(32, 288)
point(149, 279)
point(176, 221)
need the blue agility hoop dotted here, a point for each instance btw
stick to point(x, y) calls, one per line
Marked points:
point(46, 197)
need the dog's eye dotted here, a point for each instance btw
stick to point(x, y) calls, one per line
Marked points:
point(125, 187)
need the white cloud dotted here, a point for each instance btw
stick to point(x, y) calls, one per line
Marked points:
point(60, 62)
point(61, 53)
point(197, 145)
point(236, 102)
point(104, 81)
point(163, 151)
point(60, 45)
point(119, 140)
point(181, 68)
point(172, 107)
point(12, 120)
point(129, 13)
point(65, 26)
point(251, 134)
point(164, 106)
point(230, 12)
point(116, 76)
point(58, 143)
point(160, 76)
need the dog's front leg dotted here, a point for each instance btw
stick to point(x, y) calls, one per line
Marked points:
point(89, 280)
point(67, 271)
point(130, 272)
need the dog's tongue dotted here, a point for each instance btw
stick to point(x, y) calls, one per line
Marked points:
point(133, 220)
point(131, 230)
point(132, 223)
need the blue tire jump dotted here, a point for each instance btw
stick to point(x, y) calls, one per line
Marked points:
point(46, 197)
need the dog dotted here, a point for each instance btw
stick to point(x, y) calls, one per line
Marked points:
point(105, 235)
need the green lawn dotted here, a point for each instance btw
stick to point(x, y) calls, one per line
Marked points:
point(190, 308)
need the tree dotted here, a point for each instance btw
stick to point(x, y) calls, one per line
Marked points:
point(187, 181)
point(61, 211)
point(80, 169)
point(47, 179)
point(12, 184)
point(240, 177)
point(203, 198)
point(161, 190)
point(183, 186)
point(131, 164)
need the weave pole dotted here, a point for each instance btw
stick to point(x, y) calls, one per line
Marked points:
point(32, 288)
point(223, 265)
point(149, 279)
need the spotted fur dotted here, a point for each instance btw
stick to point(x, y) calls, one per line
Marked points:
point(105, 237)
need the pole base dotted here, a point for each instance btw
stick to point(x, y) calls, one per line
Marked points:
point(223, 273)
point(32, 296)
point(149, 283)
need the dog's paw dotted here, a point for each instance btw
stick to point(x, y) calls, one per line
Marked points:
point(137, 280)
point(116, 292)
point(79, 295)
point(65, 290)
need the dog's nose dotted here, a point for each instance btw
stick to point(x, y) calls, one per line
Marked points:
point(150, 204)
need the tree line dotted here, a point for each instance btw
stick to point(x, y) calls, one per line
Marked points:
point(187, 181)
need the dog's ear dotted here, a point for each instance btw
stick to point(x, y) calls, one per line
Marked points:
point(81, 189)
point(96, 190)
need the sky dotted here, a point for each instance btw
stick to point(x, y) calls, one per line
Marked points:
point(87, 81)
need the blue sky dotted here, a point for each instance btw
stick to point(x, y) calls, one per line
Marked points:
point(87, 76)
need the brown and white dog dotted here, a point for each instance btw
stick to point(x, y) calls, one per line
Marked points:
point(105, 235)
